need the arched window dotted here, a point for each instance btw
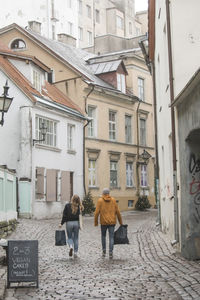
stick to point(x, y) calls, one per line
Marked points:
point(18, 44)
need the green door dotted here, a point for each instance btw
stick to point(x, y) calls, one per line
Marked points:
point(25, 198)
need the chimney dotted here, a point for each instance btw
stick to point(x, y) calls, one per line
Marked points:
point(67, 39)
point(35, 26)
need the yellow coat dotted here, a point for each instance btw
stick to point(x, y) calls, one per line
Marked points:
point(108, 209)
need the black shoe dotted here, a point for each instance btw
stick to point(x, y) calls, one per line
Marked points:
point(111, 255)
point(104, 253)
point(71, 252)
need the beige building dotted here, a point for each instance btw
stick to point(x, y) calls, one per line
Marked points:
point(121, 127)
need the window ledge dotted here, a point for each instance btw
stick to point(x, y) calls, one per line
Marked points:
point(145, 187)
point(71, 152)
point(115, 188)
point(45, 147)
point(94, 187)
point(130, 187)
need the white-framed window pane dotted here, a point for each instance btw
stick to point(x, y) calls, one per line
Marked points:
point(112, 125)
point(80, 6)
point(129, 174)
point(37, 80)
point(121, 82)
point(97, 16)
point(89, 11)
point(51, 132)
point(130, 203)
point(143, 132)
point(70, 136)
point(70, 28)
point(89, 37)
point(143, 176)
point(91, 125)
point(128, 129)
point(80, 33)
point(141, 88)
point(113, 174)
point(92, 173)
point(120, 22)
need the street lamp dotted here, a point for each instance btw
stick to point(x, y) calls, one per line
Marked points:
point(43, 131)
point(145, 156)
point(5, 102)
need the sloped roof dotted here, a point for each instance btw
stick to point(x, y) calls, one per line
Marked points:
point(49, 91)
point(75, 58)
point(105, 67)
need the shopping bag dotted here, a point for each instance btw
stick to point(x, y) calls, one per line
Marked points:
point(60, 238)
point(80, 221)
point(120, 235)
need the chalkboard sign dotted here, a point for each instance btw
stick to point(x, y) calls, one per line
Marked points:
point(22, 261)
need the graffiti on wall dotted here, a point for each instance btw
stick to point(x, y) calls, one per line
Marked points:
point(194, 185)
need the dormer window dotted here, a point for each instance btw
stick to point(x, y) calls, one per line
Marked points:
point(18, 44)
point(121, 83)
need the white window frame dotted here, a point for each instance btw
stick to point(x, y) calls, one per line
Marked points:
point(113, 171)
point(36, 80)
point(141, 88)
point(80, 7)
point(128, 129)
point(143, 176)
point(89, 37)
point(121, 82)
point(92, 123)
point(92, 173)
point(89, 11)
point(129, 174)
point(112, 125)
point(143, 132)
point(130, 28)
point(80, 33)
point(70, 28)
point(120, 22)
point(70, 137)
point(97, 15)
point(51, 134)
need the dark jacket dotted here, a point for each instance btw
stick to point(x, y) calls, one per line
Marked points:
point(67, 214)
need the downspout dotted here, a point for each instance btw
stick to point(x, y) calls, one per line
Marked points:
point(86, 97)
point(137, 163)
point(171, 84)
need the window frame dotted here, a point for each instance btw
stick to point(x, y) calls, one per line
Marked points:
point(51, 135)
point(113, 171)
point(143, 132)
point(92, 123)
point(80, 33)
point(70, 137)
point(92, 173)
point(89, 11)
point(97, 16)
point(36, 79)
point(89, 33)
point(143, 176)
point(120, 22)
point(18, 40)
point(121, 82)
point(128, 129)
point(112, 126)
point(141, 94)
point(129, 175)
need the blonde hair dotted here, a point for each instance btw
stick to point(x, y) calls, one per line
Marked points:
point(75, 203)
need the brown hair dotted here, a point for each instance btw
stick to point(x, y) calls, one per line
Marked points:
point(75, 203)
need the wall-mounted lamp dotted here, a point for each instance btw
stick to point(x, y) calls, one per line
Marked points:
point(43, 131)
point(145, 156)
point(5, 102)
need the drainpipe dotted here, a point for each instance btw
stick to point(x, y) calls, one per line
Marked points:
point(171, 84)
point(137, 163)
point(88, 121)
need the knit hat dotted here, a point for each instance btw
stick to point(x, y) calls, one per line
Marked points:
point(106, 191)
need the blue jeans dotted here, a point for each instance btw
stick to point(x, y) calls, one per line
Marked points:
point(111, 229)
point(72, 228)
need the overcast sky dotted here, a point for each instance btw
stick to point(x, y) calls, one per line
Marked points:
point(141, 5)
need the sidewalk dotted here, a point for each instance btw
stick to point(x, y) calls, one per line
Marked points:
point(148, 268)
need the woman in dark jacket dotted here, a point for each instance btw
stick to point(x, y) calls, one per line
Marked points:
point(71, 218)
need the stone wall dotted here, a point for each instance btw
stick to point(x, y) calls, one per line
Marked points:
point(6, 227)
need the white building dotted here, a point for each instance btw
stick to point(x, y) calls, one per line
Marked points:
point(174, 58)
point(48, 171)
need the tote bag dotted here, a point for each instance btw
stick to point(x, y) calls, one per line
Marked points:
point(120, 235)
point(60, 238)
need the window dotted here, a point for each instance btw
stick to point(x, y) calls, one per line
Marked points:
point(130, 203)
point(80, 6)
point(80, 33)
point(112, 125)
point(89, 37)
point(128, 130)
point(50, 139)
point(70, 136)
point(120, 22)
point(53, 32)
point(113, 174)
point(89, 11)
point(92, 123)
point(121, 83)
point(138, 31)
point(130, 28)
point(97, 16)
point(70, 28)
point(69, 3)
point(142, 132)
point(92, 173)
point(18, 44)
point(129, 174)
point(37, 80)
point(143, 176)
point(141, 88)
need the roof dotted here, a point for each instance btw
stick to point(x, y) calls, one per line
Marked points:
point(105, 67)
point(50, 92)
point(74, 58)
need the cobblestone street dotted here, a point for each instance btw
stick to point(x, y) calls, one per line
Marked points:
point(148, 268)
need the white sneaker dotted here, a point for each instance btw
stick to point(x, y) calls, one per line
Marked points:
point(75, 255)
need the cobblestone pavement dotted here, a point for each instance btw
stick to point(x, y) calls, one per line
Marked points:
point(148, 268)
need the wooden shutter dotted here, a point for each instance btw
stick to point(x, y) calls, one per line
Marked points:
point(39, 183)
point(51, 183)
point(65, 186)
